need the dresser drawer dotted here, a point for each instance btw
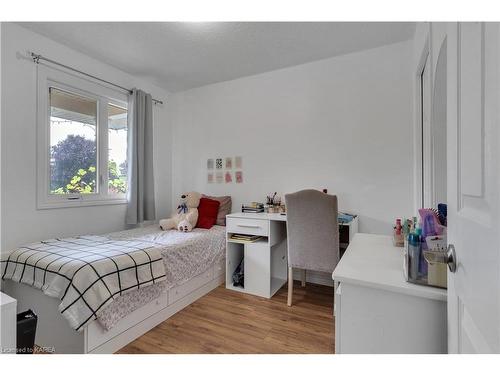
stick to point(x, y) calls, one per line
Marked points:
point(247, 226)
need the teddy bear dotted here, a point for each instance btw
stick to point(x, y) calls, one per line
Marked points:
point(187, 213)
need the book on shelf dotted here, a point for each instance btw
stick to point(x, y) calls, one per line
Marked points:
point(344, 217)
point(253, 207)
point(245, 237)
point(256, 211)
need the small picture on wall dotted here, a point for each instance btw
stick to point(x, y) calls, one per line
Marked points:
point(238, 162)
point(228, 177)
point(219, 177)
point(239, 177)
point(218, 163)
point(229, 163)
point(210, 178)
point(210, 163)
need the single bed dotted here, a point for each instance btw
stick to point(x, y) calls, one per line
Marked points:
point(194, 265)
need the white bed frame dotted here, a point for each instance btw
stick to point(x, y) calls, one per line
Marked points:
point(55, 333)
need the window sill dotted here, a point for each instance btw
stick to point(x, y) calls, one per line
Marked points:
point(48, 205)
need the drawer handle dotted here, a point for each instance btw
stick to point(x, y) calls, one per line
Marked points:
point(248, 226)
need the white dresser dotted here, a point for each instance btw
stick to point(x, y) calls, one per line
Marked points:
point(377, 311)
point(265, 265)
point(8, 324)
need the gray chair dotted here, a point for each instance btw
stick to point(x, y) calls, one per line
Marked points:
point(312, 233)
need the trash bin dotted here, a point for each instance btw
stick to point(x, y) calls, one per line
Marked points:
point(26, 330)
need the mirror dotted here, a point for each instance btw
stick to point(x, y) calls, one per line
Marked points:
point(438, 130)
point(433, 131)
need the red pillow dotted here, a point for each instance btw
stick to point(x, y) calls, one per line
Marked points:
point(207, 213)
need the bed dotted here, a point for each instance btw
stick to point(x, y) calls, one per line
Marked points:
point(193, 266)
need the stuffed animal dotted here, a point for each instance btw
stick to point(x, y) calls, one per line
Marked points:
point(187, 213)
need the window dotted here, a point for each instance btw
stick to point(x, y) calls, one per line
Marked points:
point(73, 143)
point(82, 139)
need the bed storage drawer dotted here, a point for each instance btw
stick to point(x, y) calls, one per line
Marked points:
point(220, 269)
point(182, 290)
point(96, 335)
point(247, 226)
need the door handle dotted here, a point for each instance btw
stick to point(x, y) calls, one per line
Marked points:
point(451, 258)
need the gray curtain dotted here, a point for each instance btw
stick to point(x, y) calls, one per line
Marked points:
point(141, 192)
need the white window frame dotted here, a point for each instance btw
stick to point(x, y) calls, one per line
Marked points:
point(51, 77)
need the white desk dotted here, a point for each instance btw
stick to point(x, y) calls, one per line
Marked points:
point(265, 263)
point(377, 311)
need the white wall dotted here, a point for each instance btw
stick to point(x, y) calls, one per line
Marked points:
point(21, 221)
point(343, 123)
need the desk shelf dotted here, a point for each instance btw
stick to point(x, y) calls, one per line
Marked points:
point(242, 242)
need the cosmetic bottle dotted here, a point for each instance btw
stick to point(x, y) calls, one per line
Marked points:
point(422, 264)
point(413, 255)
point(397, 238)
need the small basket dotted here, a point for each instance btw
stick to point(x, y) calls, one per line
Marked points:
point(437, 273)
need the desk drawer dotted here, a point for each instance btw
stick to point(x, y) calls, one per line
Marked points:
point(247, 226)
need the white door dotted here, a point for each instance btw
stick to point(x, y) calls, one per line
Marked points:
point(474, 187)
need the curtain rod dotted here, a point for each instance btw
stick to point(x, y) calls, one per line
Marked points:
point(36, 59)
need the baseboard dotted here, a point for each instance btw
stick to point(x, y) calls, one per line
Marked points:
point(314, 277)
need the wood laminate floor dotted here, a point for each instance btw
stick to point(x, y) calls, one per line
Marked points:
point(225, 321)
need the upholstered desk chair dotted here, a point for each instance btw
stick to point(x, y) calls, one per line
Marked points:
point(312, 233)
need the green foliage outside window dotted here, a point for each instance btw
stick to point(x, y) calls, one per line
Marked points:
point(117, 182)
point(79, 185)
point(74, 171)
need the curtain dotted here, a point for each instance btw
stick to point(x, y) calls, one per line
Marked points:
point(141, 194)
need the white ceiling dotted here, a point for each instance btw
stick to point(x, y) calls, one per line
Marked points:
point(183, 55)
